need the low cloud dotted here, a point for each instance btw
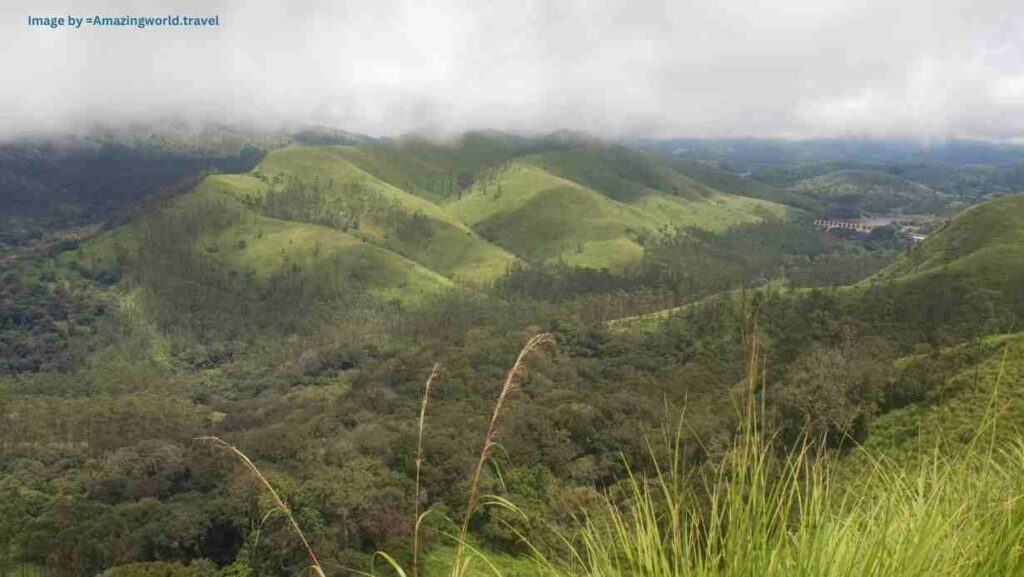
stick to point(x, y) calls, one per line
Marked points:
point(808, 68)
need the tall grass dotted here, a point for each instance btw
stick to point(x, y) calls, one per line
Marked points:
point(759, 513)
point(765, 515)
point(416, 517)
point(278, 501)
point(512, 381)
point(958, 516)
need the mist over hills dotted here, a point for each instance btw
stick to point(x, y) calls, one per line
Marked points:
point(753, 151)
point(46, 177)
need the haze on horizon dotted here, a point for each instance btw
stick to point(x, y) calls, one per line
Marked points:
point(794, 69)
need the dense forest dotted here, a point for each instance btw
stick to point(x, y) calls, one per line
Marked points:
point(295, 310)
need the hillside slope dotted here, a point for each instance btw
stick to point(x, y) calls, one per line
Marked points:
point(619, 172)
point(213, 225)
point(542, 208)
point(571, 198)
point(329, 219)
point(982, 246)
point(82, 180)
point(267, 246)
point(320, 181)
point(441, 169)
point(963, 394)
point(666, 197)
point(709, 174)
point(852, 191)
point(540, 217)
point(973, 265)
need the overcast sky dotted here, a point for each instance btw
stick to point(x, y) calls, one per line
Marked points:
point(926, 69)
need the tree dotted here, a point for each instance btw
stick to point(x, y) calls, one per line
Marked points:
point(832, 391)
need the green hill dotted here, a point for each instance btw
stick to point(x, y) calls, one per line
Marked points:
point(709, 174)
point(854, 191)
point(666, 197)
point(959, 393)
point(362, 218)
point(560, 197)
point(268, 246)
point(325, 183)
point(440, 169)
point(539, 217)
point(619, 172)
point(970, 266)
point(982, 246)
point(213, 223)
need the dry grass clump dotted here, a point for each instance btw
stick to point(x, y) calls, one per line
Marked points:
point(758, 513)
point(512, 381)
point(278, 502)
point(416, 518)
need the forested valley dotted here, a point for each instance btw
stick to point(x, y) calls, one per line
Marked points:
point(290, 295)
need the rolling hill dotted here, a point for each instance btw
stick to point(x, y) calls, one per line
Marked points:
point(83, 180)
point(213, 225)
point(667, 197)
point(542, 217)
point(982, 246)
point(849, 192)
point(268, 246)
point(709, 174)
point(317, 223)
point(974, 262)
point(387, 216)
point(440, 169)
point(572, 206)
point(982, 395)
point(619, 172)
point(561, 197)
